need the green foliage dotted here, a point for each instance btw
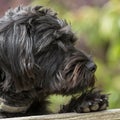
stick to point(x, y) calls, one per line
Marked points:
point(101, 29)
point(57, 102)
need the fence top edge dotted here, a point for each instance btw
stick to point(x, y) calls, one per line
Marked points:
point(55, 116)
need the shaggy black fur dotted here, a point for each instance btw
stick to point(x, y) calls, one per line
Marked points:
point(37, 59)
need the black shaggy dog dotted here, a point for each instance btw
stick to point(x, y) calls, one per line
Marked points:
point(37, 59)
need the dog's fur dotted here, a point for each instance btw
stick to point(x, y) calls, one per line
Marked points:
point(37, 59)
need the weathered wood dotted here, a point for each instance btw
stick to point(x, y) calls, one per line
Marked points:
point(113, 114)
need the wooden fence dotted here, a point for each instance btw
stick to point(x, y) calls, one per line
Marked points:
point(113, 114)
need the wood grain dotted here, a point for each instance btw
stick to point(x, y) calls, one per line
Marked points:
point(113, 114)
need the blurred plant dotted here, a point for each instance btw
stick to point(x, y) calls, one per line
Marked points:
point(100, 28)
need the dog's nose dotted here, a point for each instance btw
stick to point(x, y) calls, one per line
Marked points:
point(91, 66)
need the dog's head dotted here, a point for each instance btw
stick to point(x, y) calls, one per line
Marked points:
point(37, 51)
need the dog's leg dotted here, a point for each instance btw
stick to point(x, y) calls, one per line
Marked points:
point(10, 109)
point(89, 101)
point(36, 108)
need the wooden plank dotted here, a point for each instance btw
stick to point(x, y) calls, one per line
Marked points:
point(113, 114)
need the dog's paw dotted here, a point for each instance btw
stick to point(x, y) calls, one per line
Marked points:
point(88, 102)
point(92, 104)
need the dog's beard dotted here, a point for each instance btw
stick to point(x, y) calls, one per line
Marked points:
point(74, 76)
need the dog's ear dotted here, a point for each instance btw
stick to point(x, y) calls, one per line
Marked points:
point(16, 57)
point(24, 52)
point(16, 48)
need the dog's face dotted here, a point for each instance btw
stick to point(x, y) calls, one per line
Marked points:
point(37, 51)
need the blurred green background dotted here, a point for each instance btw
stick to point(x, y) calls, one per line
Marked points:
point(97, 25)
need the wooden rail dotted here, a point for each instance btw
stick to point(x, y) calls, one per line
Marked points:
point(113, 114)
